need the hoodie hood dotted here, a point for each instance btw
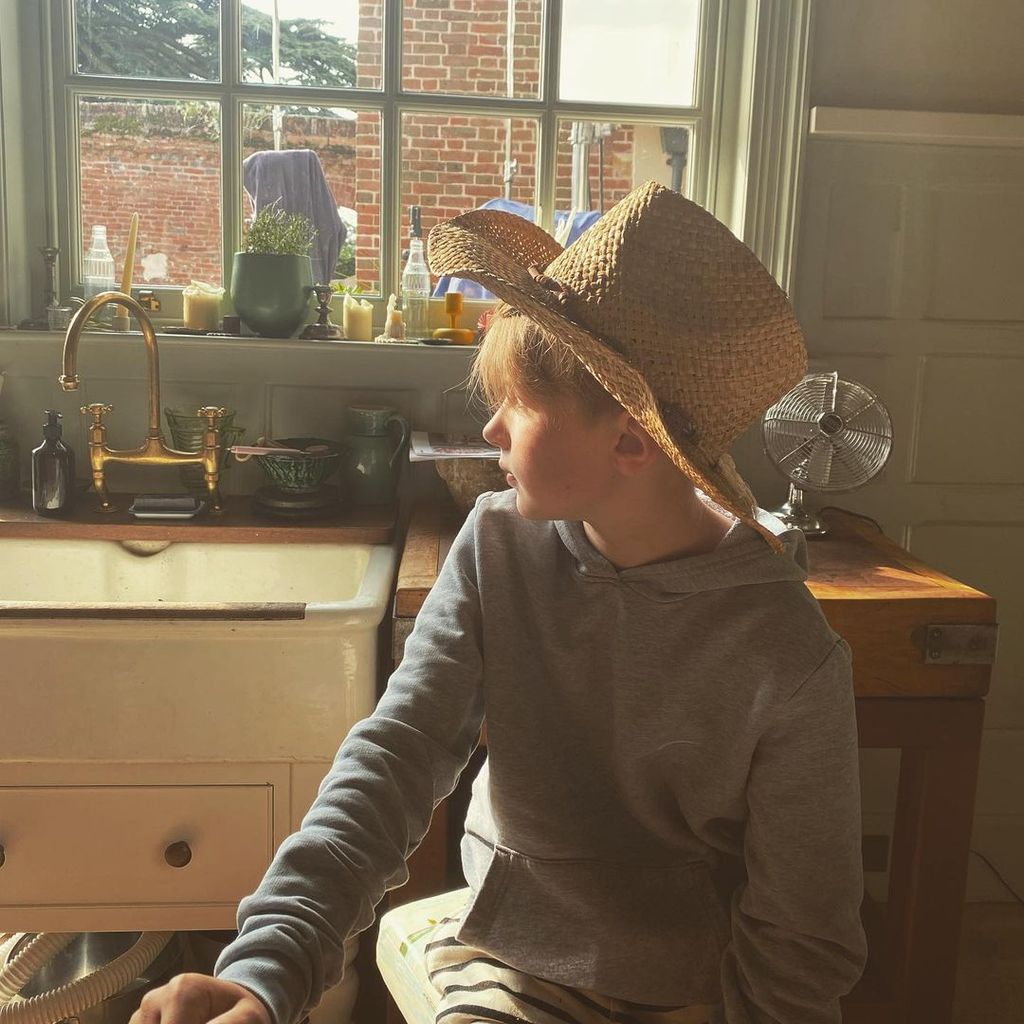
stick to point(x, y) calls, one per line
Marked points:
point(741, 558)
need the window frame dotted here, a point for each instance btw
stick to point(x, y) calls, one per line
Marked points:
point(751, 85)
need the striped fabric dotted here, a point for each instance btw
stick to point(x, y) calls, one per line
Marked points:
point(475, 987)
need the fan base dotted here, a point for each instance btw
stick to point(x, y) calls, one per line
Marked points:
point(795, 514)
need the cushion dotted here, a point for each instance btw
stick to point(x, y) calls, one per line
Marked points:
point(401, 940)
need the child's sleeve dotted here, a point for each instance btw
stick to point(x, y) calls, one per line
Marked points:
point(797, 941)
point(373, 808)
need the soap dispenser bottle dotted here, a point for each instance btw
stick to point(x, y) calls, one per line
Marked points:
point(53, 470)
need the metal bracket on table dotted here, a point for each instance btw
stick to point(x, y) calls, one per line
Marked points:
point(970, 644)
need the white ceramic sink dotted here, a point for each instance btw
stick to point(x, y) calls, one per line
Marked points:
point(108, 572)
point(250, 651)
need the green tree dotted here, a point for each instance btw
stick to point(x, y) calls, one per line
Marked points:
point(180, 39)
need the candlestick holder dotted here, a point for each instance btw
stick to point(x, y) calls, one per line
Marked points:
point(50, 254)
point(42, 323)
point(323, 329)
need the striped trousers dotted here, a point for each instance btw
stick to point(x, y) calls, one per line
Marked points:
point(475, 987)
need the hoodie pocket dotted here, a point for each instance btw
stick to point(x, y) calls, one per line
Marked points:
point(644, 933)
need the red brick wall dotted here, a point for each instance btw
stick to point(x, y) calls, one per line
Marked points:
point(176, 190)
point(451, 164)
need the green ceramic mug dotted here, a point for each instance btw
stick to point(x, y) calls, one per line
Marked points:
point(377, 436)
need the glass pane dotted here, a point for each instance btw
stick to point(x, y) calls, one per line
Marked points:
point(162, 159)
point(167, 39)
point(643, 52)
point(455, 163)
point(487, 47)
point(332, 175)
point(318, 43)
point(597, 163)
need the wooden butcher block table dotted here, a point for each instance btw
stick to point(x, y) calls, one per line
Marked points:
point(923, 647)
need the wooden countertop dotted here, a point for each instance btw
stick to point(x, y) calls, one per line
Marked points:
point(875, 594)
point(236, 524)
point(432, 528)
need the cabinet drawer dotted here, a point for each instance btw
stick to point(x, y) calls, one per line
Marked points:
point(67, 845)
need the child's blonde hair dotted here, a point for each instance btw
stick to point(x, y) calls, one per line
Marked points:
point(518, 361)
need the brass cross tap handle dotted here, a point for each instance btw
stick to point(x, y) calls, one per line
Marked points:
point(97, 410)
point(212, 414)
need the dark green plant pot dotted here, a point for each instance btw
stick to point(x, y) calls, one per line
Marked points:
point(271, 293)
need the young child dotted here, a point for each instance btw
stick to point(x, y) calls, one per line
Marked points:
point(667, 827)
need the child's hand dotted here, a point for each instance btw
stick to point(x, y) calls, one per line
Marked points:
point(198, 998)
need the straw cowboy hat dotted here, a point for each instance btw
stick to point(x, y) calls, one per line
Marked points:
point(671, 313)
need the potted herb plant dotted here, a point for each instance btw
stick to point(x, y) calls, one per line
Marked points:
point(272, 280)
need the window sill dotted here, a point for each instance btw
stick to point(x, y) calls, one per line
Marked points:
point(234, 341)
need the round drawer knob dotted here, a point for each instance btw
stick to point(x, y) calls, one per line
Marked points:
point(178, 854)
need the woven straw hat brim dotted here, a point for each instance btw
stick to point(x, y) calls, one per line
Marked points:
point(496, 250)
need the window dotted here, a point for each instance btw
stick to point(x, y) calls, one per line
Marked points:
point(553, 109)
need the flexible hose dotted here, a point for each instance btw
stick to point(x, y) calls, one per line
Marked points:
point(71, 999)
point(37, 952)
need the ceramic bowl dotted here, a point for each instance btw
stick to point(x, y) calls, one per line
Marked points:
point(302, 474)
point(469, 478)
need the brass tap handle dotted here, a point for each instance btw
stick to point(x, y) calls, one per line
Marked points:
point(212, 414)
point(178, 854)
point(97, 410)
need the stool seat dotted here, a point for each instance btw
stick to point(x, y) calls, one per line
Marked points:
point(401, 941)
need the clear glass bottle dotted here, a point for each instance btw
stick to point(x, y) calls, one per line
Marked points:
point(53, 471)
point(98, 269)
point(416, 284)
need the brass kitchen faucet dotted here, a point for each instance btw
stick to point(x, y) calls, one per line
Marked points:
point(153, 451)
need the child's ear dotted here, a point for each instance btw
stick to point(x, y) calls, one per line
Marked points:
point(634, 450)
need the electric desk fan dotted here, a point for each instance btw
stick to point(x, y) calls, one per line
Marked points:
point(827, 434)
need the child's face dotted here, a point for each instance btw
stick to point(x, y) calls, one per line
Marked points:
point(558, 459)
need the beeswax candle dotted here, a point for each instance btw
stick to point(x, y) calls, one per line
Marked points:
point(201, 306)
point(129, 259)
point(357, 319)
point(394, 326)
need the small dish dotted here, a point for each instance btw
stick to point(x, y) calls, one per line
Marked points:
point(166, 506)
point(162, 515)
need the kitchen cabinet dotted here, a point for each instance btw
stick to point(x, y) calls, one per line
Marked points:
point(171, 696)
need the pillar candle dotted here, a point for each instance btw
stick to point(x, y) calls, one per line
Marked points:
point(357, 319)
point(201, 306)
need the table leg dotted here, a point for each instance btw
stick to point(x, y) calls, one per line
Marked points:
point(940, 743)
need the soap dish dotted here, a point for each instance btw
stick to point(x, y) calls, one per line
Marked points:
point(166, 506)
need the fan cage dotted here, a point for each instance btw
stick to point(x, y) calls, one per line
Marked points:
point(828, 434)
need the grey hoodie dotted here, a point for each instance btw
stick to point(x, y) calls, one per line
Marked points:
point(670, 808)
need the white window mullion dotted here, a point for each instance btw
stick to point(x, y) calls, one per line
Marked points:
point(230, 134)
point(391, 153)
point(547, 143)
point(765, 114)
